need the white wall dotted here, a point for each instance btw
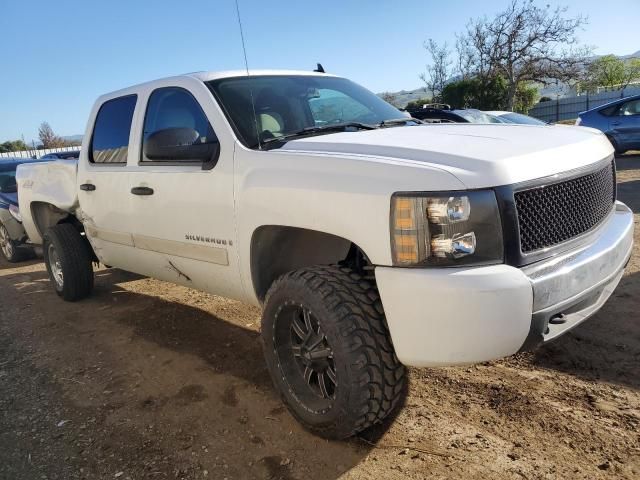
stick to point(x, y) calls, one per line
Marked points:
point(37, 153)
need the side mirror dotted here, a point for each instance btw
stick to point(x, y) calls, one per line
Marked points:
point(182, 145)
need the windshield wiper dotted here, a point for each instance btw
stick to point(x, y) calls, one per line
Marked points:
point(338, 127)
point(397, 121)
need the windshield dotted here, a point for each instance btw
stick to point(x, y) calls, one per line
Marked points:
point(288, 104)
point(519, 118)
point(476, 116)
point(8, 182)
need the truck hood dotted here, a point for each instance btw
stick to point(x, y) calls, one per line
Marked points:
point(478, 155)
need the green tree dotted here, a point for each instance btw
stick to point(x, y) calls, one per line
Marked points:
point(476, 92)
point(526, 97)
point(610, 72)
point(462, 94)
point(488, 93)
point(13, 146)
point(607, 71)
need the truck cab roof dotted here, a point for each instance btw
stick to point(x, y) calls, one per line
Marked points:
point(207, 76)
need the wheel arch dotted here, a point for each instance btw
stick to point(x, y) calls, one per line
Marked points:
point(46, 215)
point(278, 249)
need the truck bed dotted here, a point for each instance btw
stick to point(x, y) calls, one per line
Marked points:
point(49, 182)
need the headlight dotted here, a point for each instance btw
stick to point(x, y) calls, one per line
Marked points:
point(578, 121)
point(15, 212)
point(446, 229)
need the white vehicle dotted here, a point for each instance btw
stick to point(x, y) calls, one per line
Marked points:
point(371, 241)
point(514, 117)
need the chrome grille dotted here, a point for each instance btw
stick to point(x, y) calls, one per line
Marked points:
point(552, 214)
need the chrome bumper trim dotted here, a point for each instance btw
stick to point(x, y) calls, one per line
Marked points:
point(569, 289)
point(566, 278)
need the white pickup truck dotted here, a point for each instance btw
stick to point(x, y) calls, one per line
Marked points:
point(371, 241)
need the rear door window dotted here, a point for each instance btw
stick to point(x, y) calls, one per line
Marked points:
point(611, 110)
point(110, 140)
point(630, 108)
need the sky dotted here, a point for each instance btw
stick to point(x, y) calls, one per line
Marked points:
point(58, 56)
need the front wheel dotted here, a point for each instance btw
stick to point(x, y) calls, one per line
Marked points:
point(68, 262)
point(329, 352)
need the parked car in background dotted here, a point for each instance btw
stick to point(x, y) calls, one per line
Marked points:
point(472, 115)
point(513, 117)
point(12, 234)
point(436, 113)
point(443, 113)
point(70, 155)
point(619, 120)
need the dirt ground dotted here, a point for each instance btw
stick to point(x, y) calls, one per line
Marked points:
point(147, 380)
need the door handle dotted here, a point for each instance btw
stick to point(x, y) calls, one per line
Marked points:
point(615, 123)
point(142, 191)
point(87, 187)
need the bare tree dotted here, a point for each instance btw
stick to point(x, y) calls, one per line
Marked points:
point(525, 43)
point(48, 138)
point(465, 56)
point(389, 97)
point(439, 71)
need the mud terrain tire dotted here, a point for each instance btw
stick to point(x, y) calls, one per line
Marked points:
point(363, 380)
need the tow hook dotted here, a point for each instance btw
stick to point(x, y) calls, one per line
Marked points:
point(558, 319)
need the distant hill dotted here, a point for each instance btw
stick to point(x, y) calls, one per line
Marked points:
point(561, 89)
point(405, 96)
point(74, 138)
point(633, 55)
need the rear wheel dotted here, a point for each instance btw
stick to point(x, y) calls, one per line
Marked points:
point(615, 145)
point(68, 262)
point(328, 350)
point(8, 247)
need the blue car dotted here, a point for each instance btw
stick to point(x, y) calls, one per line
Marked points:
point(12, 234)
point(619, 121)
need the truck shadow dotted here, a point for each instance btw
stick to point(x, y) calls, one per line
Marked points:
point(229, 400)
point(4, 265)
point(227, 348)
point(605, 347)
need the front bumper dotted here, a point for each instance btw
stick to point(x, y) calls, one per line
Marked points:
point(458, 316)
